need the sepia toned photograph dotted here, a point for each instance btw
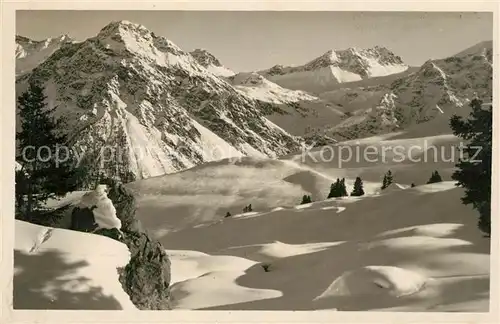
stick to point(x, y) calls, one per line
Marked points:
point(253, 160)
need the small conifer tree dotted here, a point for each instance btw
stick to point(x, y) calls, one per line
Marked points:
point(306, 199)
point(435, 177)
point(358, 188)
point(387, 180)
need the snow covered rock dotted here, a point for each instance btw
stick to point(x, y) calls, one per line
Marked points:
point(125, 205)
point(146, 278)
point(102, 207)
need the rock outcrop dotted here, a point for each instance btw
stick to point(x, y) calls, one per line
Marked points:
point(146, 278)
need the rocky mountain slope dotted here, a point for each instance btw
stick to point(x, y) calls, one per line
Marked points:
point(211, 63)
point(434, 92)
point(251, 84)
point(139, 106)
point(336, 66)
point(300, 113)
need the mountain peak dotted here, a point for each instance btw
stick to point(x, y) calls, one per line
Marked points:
point(210, 62)
point(205, 58)
point(123, 24)
point(358, 59)
point(337, 66)
point(123, 29)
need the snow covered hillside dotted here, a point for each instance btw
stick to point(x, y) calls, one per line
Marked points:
point(256, 86)
point(336, 66)
point(403, 249)
point(64, 269)
point(151, 107)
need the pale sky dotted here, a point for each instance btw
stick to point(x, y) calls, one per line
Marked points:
point(253, 40)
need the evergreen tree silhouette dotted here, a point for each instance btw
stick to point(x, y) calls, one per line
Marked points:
point(358, 188)
point(435, 177)
point(474, 172)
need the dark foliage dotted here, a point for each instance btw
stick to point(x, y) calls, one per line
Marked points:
point(338, 189)
point(435, 177)
point(306, 199)
point(474, 170)
point(388, 179)
point(358, 188)
point(48, 165)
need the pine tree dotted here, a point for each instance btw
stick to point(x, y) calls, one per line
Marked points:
point(474, 171)
point(358, 188)
point(412, 185)
point(334, 189)
point(250, 207)
point(43, 176)
point(338, 189)
point(306, 199)
point(435, 177)
point(228, 214)
point(343, 189)
point(387, 180)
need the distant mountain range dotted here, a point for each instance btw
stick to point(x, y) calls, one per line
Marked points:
point(168, 110)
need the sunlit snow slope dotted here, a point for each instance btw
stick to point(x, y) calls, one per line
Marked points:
point(64, 269)
point(400, 249)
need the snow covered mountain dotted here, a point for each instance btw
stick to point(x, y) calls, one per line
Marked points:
point(250, 83)
point(30, 53)
point(139, 106)
point(211, 63)
point(336, 66)
point(430, 95)
point(258, 87)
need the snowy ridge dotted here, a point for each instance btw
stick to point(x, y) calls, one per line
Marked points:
point(150, 105)
point(257, 87)
point(337, 66)
point(30, 53)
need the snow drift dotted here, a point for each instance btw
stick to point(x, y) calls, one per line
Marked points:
point(64, 269)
